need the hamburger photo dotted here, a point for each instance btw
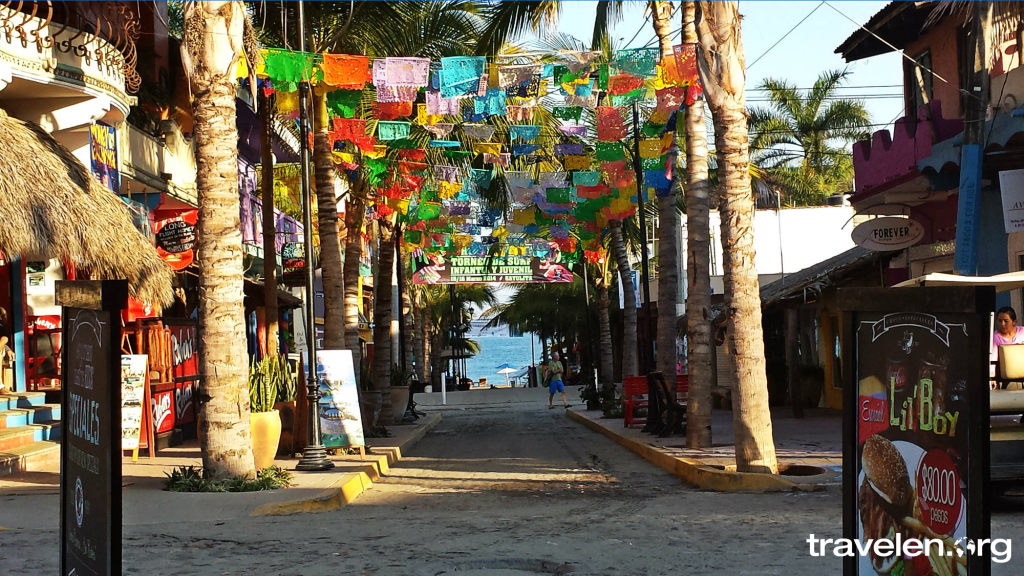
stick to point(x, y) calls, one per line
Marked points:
point(885, 499)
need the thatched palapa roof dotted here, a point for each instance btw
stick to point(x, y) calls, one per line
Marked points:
point(52, 207)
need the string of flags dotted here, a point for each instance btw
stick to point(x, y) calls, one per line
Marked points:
point(478, 158)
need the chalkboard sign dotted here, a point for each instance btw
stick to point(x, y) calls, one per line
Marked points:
point(90, 495)
point(176, 235)
point(916, 428)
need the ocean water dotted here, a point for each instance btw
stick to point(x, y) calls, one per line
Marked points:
point(497, 350)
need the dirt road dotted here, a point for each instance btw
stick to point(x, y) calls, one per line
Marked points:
point(502, 487)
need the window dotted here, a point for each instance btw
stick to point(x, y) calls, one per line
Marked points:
point(918, 80)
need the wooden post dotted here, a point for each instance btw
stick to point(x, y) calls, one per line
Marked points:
point(792, 362)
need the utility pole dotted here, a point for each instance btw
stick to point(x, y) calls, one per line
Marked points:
point(647, 358)
point(973, 150)
point(314, 457)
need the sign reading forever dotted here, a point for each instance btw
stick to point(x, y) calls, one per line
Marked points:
point(915, 415)
point(888, 234)
point(90, 482)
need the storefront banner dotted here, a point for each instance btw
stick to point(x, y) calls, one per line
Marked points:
point(176, 238)
point(293, 260)
point(435, 269)
point(916, 466)
point(163, 411)
point(184, 350)
point(340, 417)
point(1011, 184)
point(133, 391)
point(184, 409)
point(103, 153)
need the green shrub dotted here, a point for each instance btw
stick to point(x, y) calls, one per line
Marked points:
point(194, 479)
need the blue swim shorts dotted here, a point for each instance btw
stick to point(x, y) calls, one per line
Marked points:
point(556, 386)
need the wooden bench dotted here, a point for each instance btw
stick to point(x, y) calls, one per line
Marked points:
point(635, 396)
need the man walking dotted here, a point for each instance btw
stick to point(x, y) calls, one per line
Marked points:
point(553, 372)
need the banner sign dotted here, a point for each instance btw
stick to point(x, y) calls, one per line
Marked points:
point(184, 349)
point(1011, 185)
point(103, 155)
point(293, 260)
point(176, 238)
point(435, 269)
point(133, 392)
point(340, 417)
point(917, 398)
point(163, 411)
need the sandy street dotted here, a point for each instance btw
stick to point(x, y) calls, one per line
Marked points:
point(502, 487)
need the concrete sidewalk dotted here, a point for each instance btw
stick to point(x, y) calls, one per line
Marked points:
point(809, 451)
point(32, 498)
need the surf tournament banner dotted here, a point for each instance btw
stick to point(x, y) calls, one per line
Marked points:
point(436, 269)
point(916, 428)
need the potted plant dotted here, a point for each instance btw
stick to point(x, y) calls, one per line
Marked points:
point(287, 390)
point(265, 422)
point(370, 400)
point(399, 391)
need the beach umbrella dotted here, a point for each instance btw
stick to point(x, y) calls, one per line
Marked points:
point(507, 369)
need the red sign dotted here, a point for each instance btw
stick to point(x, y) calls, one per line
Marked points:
point(184, 409)
point(45, 322)
point(176, 237)
point(184, 351)
point(139, 309)
point(163, 411)
point(938, 492)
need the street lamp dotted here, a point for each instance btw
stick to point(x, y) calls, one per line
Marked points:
point(314, 457)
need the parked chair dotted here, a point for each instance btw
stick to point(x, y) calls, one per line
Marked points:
point(672, 411)
point(635, 396)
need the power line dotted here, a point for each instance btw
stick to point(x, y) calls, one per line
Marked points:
point(784, 36)
point(640, 29)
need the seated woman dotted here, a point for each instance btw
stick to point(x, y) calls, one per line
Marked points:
point(1007, 332)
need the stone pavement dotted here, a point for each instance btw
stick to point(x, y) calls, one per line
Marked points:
point(809, 450)
point(30, 498)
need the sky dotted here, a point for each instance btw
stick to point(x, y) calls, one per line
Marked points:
point(799, 58)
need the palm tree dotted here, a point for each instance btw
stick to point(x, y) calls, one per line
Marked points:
point(698, 265)
point(801, 139)
point(721, 63)
point(382, 311)
point(617, 247)
point(215, 33)
point(668, 226)
point(507, 19)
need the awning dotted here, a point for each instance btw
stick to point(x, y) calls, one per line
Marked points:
point(1001, 282)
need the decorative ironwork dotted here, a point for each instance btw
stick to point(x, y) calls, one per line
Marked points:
point(104, 33)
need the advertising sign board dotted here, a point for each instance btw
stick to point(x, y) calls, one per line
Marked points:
point(91, 436)
point(340, 417)
point(888, 234)
point(916, 426)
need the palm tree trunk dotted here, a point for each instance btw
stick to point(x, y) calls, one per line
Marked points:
point(698, 265)
point(618, 245)
point(422, 342)
point(331, 271)
point(606, 367)
point(668, 230)
point(410, 327)
point(355, 210)
point(382, 311)
point(269, 224)
point(722, 69)
point(224, 434)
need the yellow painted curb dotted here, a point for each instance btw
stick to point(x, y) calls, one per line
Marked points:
point(351, 485)
point(702, 476)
